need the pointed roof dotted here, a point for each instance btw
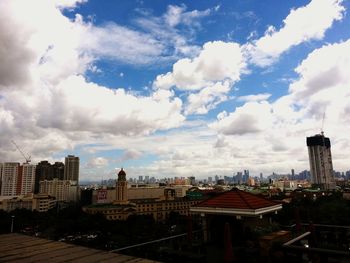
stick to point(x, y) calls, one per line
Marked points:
point(237, 202)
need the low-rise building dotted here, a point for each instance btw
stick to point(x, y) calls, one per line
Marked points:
point(40, 203)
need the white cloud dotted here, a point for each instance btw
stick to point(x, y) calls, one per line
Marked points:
point(303, 24)
point(53, 101)
point(207, 98)
point(217, 61)
point(176, 15)
point(252, 117)
point(324, 68)
point(115, 42)
point(130, 154)
point(97, 162)
point(254, 97)
point(211, 74)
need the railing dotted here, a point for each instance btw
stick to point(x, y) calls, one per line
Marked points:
point(181, 247)
point(316, 241)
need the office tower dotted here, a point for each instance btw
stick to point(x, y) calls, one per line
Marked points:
point(9, 178)
point(27, 178)
point(293, 174)
point(71, 168)
point(320, 159)
point(121, 188)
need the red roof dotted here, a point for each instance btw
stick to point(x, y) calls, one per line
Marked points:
point(237, 199)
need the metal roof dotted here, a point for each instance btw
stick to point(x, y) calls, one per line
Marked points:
point(22, 248)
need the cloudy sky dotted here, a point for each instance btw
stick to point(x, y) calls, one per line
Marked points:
point(174, 88)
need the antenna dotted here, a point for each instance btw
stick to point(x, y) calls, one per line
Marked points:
point(26, 157)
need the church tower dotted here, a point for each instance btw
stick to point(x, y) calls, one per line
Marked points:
point(121, 188)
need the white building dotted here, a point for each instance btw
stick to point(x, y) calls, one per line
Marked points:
point(28, 178)
point(62, 190)
point(9, 177)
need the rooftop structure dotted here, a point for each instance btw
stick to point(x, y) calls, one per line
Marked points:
point(238, 203)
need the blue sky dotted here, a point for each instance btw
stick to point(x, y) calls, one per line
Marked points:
point(174, 88)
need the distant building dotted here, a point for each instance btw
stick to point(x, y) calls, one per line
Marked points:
point(158, 202)
point(62, 190)
point(320, 158)
point(71, 168)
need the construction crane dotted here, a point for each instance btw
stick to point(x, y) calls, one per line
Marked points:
point(324, 116)
point(26, 157)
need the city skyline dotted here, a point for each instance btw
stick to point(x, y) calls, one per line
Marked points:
point(174, 88)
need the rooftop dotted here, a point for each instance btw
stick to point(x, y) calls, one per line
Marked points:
point(21, 248)
point(237, 202)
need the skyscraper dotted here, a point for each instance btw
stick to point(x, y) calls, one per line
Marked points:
point(27, 178)
point(9, 178)
point(71, 168)
point(320, 159)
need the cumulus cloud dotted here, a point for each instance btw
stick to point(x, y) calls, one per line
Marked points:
point(303, 24)
point(217, 61)
point(53, 100)
point(252, 117)
point(210, 75)
point(265, 129)
point(207, 98)
point(97, 162)
point(323, 68)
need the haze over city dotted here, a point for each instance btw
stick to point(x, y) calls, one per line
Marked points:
point(174, 88)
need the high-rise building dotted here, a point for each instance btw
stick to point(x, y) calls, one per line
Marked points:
point(58, 170)
point(27, 178)
point(71, 168)
point(320, 159)
point(9, 178)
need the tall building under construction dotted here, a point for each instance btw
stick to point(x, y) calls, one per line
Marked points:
point(320, 159)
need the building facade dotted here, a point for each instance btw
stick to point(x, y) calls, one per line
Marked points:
point(320, 159)
point(27, 178)
point(62, 190)
point(71, 168)
point(40, 203)
point(121, 188)
point(9, 178)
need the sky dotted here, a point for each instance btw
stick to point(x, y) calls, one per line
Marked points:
point(174, 88)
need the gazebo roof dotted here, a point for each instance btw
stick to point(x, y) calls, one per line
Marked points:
point(236, 202)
